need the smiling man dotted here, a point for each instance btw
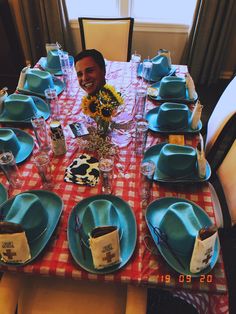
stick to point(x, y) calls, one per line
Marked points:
point(91, 70)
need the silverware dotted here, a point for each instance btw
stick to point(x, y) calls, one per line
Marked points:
point(78, 226)
point(162, 238)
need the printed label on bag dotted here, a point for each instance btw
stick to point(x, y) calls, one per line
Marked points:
point(105, 247)
point(14, 248)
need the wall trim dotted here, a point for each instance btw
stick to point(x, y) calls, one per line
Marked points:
point(149, 27)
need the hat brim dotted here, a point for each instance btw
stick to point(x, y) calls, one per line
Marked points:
point(157, 79)
point(56, 71)
point(42, 110)
point(185, 99)
point(58, 85)
point(54, 205)
point(153, 154)
point(152, 115)
point(26, 142)
point(154, 214)
point(3, 194)
point(127, 242)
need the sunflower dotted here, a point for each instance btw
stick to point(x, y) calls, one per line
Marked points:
point(108, 93)
point(103, 104)
point(105, 112)
point(90, 106)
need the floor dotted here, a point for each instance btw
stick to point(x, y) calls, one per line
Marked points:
point(162, 302)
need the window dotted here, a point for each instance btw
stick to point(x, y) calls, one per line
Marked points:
point(145, 11)
point(93, 8)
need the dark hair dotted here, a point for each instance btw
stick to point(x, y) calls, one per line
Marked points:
point(93, 53)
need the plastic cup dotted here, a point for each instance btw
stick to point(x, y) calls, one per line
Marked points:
point(41, 134)
point(10, 169)
point(140, 102)
point(140, 136)
point(147, 170)
point(42, 162)
point(52, 100)
point(106, 174)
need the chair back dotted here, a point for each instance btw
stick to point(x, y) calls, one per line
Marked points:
point(221, 152)
point(111, 36)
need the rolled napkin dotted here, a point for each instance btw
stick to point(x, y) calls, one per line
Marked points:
point(201, 161)
point(21, 81)
point(14, 247)
point(3, 96)
point(196, 115)
point(105, 246)
point(203, 249)
point(190, 86)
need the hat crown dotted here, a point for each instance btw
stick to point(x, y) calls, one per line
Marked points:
point(19, 107)
point(160, 67)
point(172, 87)
point(38, 80)
point(28, 211)
point(181, 226)
point(9, 141)
point(177, 161)
point(53, 60)
point(99, 213)
point(172, 116)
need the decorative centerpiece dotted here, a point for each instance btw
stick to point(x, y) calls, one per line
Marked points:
point(102, 107)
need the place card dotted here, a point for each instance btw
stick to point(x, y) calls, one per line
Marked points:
point(176, 139)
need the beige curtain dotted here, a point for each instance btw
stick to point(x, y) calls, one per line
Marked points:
point(206, 50)
point(45, 21)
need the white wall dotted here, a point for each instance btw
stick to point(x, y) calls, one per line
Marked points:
point(148, 39)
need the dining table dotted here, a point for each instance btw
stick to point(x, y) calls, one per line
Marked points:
point(146, 268)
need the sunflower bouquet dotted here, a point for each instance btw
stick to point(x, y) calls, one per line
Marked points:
point(102, 106)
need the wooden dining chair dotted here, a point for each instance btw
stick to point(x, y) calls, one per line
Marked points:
point(111, 36)
point(220, 147)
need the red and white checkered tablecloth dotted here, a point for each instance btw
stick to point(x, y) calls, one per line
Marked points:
point(143, 268)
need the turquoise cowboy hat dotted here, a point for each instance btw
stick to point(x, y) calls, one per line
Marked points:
point(99, 213)
point(38, 213)
point(160, 68)
point(178, 220)
point(51, 63)
point(37, 81)
point(171, 88)
point(171, 118)
point(19, 108)
point(118, 213)
point(175, 163)
point(3, 194)
point(20, 143)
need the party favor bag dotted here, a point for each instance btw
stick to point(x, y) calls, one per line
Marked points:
point(105, 246)
point(203, 249)
point(14, 246)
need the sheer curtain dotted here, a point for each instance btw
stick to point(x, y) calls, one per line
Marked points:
point(45, 21)
point(209, 38)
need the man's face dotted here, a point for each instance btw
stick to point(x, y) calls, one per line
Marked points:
point(90, 76)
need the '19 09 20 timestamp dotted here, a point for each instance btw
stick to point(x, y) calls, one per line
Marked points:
point(185, 278)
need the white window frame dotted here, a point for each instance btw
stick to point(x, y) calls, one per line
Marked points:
point(124, 7)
